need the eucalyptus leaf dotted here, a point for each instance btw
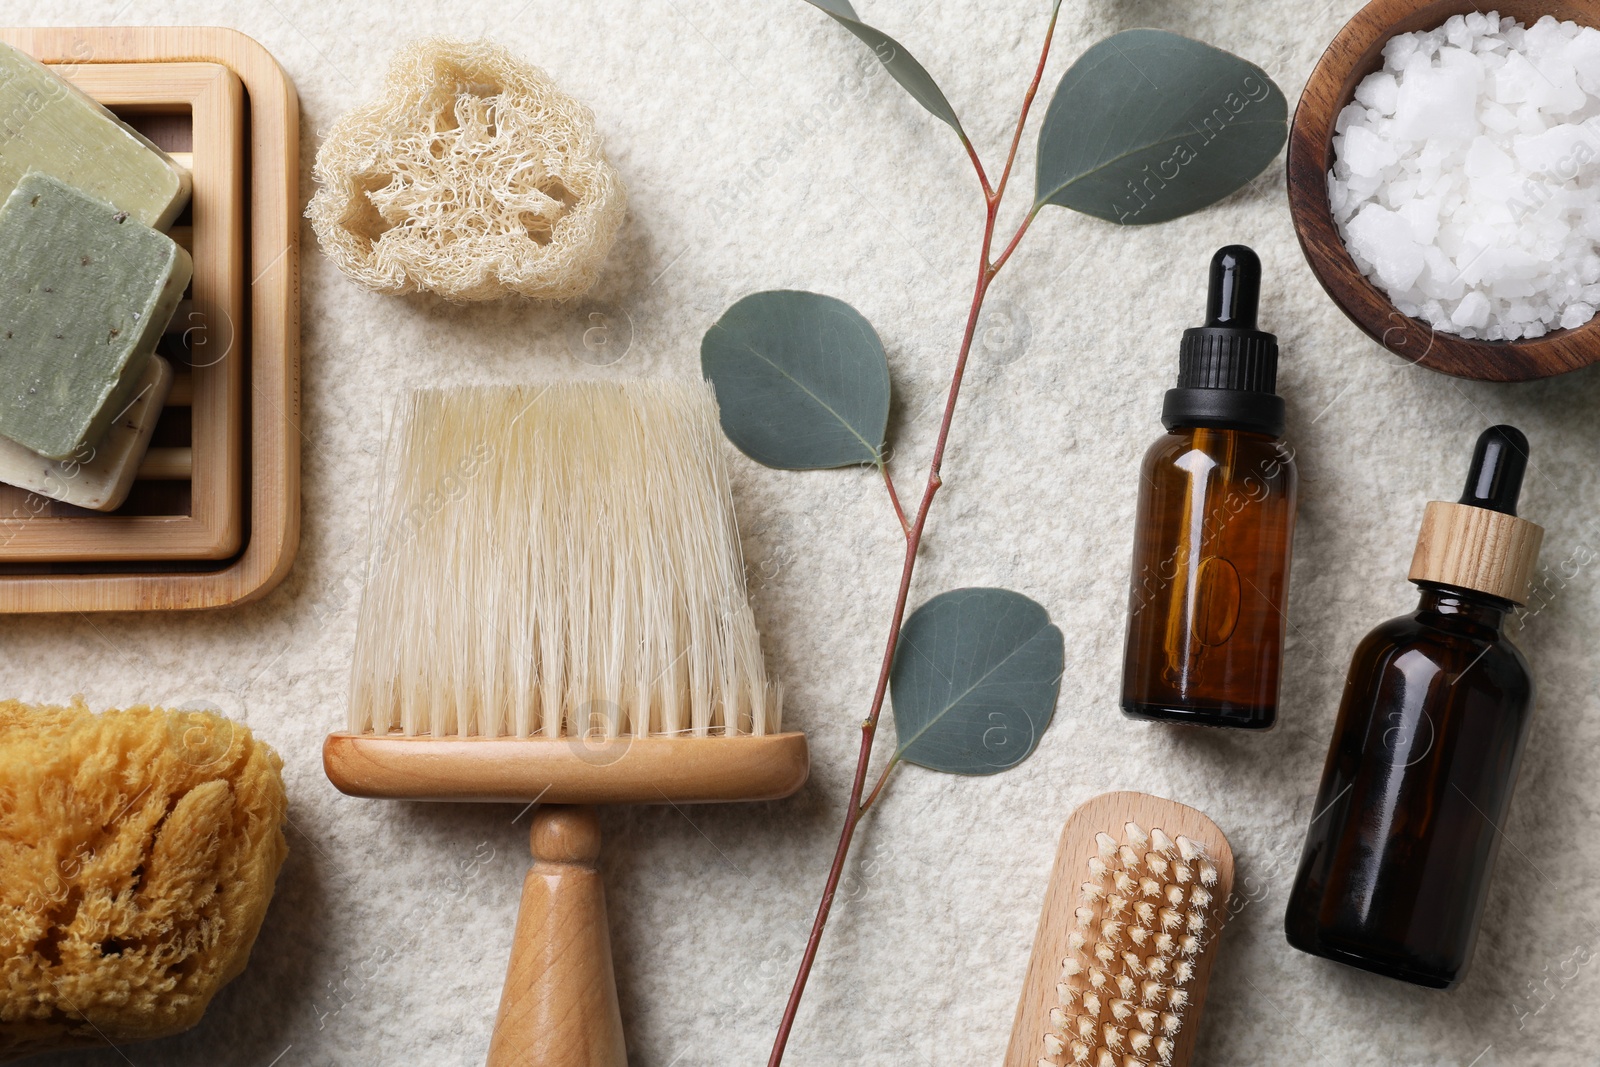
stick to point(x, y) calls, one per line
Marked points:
point(901, 65)
point(801, 380)
point(1147, 126)
point(975, 680)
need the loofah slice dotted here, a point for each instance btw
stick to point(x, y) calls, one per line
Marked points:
point(138, 850)
point(471, 176)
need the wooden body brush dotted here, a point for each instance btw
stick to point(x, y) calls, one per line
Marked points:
point(1125, 945)
point(556, 611)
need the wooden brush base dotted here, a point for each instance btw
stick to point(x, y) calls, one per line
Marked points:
point(559, 1004)
point(568, 770)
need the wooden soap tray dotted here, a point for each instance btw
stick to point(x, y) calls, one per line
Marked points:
point(213, 518)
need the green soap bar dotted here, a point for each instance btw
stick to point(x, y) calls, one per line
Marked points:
point(85, 292)
point(50, 125)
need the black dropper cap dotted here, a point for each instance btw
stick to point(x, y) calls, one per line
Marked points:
point(1228, 369)
point(1498, 464)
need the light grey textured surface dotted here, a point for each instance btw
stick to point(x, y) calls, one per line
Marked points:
point(764, 148)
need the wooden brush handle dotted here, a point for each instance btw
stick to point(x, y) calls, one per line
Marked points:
point(559, 1004)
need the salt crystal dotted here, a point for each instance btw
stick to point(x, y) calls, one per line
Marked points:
point(1437, 103)
point(1472, 311)
point(1466, 175)
point(1380, 93)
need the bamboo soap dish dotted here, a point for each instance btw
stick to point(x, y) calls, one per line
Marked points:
point(186, 503)
point(214, 513)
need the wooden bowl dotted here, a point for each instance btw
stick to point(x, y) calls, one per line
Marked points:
point(1356, 52)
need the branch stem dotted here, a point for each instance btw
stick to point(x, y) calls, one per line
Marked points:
point(1027, 105)
point(883, 779)
point(894, 498)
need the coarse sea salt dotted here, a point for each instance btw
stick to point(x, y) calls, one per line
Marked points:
point(1466, 176)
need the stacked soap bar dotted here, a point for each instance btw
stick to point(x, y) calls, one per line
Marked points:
point(85, 292)
point(47, 124)
point(100, 475)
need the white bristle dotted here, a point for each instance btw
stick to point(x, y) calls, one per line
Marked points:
point(558, 561)
point(1116, 1006)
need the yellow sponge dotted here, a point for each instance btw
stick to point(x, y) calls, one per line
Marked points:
point(471, 176)
point(138, 850)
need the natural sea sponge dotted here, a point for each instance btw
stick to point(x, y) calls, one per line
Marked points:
point(138, 850)
point(471, 176)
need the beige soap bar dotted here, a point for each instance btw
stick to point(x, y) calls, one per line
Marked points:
point(48, 124)
point(101, 475)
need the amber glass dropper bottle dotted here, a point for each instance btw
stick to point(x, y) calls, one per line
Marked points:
point(1425, 752)
point(1209, 590)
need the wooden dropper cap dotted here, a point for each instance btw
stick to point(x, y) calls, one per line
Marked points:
point(1479, 543)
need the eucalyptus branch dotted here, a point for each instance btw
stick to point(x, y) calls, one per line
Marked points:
point(1083, 151)
point(869, 726)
